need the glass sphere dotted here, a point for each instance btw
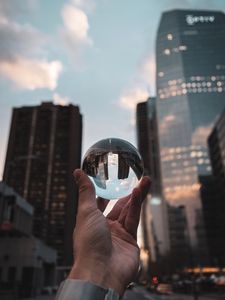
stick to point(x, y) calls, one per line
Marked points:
point(114, 166)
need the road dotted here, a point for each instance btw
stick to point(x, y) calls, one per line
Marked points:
point(140, 293)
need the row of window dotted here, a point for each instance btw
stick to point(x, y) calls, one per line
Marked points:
point(187, 163)
point(193, 78)
point(202, 84)
point(178, 49)
point(193, 154)
point(182, 149)
point(167, 92)
point(193, 187)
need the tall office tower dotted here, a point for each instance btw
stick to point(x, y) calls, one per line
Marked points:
point(154, 217)
point(43, 150)
point(190, 94)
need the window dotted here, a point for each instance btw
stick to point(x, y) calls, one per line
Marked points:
point(167, 51)
point(12, 274)
point(169, 36)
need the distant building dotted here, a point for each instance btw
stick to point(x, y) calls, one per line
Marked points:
point(154, 213)
point(213, 203)
point(26, 263)
point(147, 139)
point(213, 194)
point(216, 143)
point(142, 129)
point(44, 148)
point(190, 94)
point(16, 215)
point(147, 242)
point(179, 238)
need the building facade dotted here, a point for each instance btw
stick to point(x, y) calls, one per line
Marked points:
point(216, 143)
point(147, 139)
point(27, 265)
point(154, 219)
point(213, 191)
point(44, 148)
point(190, 94)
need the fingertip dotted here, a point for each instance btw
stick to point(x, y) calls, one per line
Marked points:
point(145, 184)
point(146, 180)
point(77, 174)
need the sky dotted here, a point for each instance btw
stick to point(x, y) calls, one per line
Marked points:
point(97, 54)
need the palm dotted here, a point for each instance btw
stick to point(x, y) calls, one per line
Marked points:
point(106, 250)
point(125, 253)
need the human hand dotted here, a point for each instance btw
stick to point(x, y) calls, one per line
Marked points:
point(105, 248)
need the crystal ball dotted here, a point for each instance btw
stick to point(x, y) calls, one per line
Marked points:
point(114, 166)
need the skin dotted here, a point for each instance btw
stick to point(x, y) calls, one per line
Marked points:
point(105, 248)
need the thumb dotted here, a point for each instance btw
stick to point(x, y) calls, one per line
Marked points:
point(87, 198)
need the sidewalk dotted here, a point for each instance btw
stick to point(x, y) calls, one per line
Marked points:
point(41, 297)
point(200, 297)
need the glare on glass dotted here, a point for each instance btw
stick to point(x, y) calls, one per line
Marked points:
point(114, 166)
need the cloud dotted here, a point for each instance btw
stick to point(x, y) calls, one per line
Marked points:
point(18, 40)
point(13, 8)
point(191, 4)
point(201, 134)
point(23, 54)
point(147, 72)
point(142, 86)
point(76, 23)
point(132, 97)
point(86, 5)
point(31, 74)
point(61, 100)
point(169, 122)
point(75, 32)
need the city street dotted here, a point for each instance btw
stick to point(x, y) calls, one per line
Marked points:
point(140, 293)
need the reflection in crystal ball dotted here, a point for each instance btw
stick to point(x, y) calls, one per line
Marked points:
point(114, 166)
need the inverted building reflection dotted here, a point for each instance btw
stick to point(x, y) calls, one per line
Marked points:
point(100, 164)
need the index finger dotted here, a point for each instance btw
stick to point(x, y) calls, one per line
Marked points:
point(86, 189)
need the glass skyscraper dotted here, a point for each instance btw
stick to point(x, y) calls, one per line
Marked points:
point(190, 53)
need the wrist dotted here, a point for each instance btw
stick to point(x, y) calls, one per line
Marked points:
point(85, 272)
point(84, 289)
point(98, 275)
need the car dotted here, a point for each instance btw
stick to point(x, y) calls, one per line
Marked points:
point(131, 285)
point(47, 290)
point(164, 289)
point(55, 289)
point(220, 280)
